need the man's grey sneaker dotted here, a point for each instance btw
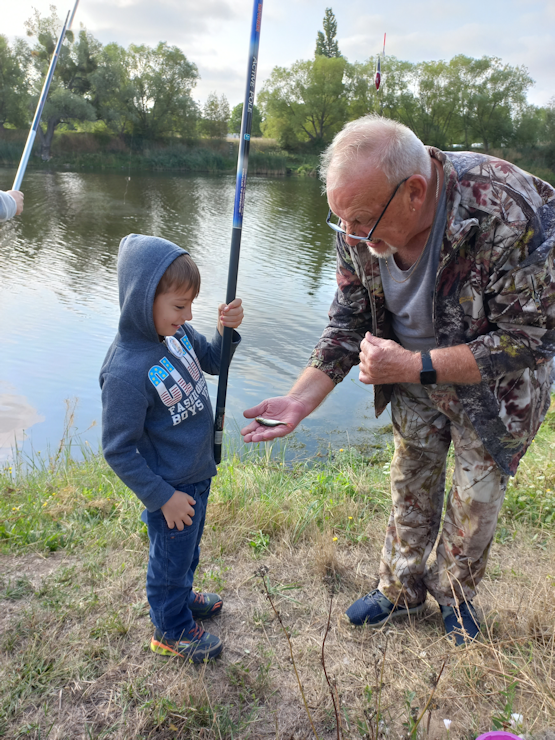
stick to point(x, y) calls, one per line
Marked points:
point(197, 645)
point(461, 622)
point(375, 609)
point(205, 606)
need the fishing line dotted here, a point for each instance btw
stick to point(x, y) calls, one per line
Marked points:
point(240, 187)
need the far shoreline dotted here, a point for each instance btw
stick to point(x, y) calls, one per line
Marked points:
point(98, 152)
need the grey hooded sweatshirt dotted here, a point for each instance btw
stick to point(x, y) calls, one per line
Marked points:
point(157, 421)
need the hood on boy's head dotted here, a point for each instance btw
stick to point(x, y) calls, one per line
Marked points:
point(142, 260)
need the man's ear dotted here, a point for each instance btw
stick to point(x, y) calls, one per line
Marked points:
point(416, 189)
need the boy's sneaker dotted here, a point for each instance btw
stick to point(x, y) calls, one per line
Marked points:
point(206, 606)
point(197, 646)
point(375, 609)
point(461, 622)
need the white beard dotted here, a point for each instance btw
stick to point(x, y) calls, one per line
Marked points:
point(382, 255)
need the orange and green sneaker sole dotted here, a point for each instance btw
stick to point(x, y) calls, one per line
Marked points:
point(208, 646)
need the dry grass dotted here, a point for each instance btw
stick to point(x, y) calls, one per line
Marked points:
point(75, 661)
point(74, 644)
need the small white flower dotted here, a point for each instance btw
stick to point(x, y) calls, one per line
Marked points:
point(447, 723)
point(516, 720)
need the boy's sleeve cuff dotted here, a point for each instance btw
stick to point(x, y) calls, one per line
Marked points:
point(158, 498)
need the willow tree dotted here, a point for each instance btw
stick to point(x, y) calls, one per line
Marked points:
point(163, 79)
point(14, 85)
point(69, 97)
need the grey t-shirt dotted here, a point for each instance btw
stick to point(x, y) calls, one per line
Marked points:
point(410, 302)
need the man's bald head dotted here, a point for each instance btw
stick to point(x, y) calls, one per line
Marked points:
point(374, 143)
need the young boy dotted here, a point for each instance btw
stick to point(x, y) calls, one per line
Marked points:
point(157, 429)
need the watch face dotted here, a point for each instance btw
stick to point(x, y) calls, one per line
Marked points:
point(428, 377)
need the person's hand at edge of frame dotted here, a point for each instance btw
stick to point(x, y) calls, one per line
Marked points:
point(18, 196)
point(281, 408)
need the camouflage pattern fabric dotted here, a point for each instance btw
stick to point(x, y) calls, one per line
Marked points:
point(426, 419)
point(495, 291)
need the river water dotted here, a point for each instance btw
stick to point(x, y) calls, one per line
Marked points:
point(59, 306)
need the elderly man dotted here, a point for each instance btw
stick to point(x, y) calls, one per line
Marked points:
point(446, 297)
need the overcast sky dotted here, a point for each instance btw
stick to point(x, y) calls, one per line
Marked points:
point(214, 34)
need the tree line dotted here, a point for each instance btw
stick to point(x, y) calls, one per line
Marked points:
point(145, 93)
point(142, 92)
point(459, 103)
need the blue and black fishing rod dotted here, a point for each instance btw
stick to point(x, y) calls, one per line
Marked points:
point(42, 100)
point(240, 187)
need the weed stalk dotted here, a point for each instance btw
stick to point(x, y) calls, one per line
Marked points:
point(331, 688)
point(415, 728)
point(262, 572)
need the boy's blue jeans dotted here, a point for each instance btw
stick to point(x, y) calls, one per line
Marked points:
point(173, 558)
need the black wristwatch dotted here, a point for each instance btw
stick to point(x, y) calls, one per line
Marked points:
point(428, 375)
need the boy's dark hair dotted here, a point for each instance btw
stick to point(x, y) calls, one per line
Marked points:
point(182, 272)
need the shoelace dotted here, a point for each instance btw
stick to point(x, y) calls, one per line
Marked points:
point(199, 598)
point(197, 632)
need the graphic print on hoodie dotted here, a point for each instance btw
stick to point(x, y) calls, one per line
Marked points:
point(157, 420)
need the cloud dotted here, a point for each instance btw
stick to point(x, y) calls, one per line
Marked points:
point(140, 21)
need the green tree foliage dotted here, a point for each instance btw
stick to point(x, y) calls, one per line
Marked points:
point(394, 92)
point(529, 126)
point(215, 117)
point(146, 91)
point(234, 124)
point(69, 97)
point(461, 102)
point(306, 102)
point(114, 91)
point(326, 43)
point(498, 95)
point(548, 134)
point(163, 79)
point(14, 86)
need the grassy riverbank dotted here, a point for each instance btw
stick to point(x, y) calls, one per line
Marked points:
point(74, 639)
point(98, 151)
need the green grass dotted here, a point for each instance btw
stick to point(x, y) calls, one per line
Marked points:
point(99, 151)
point(71, 505)
point(211, 157)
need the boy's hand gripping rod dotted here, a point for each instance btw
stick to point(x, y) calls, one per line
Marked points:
point(240, 187)
point(42, 100)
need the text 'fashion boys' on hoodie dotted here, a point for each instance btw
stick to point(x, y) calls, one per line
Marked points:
point(157, 420)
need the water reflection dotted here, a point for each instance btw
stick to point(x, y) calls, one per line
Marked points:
point(59, 306)
point(16, 415)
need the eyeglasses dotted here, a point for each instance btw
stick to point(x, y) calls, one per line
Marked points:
point(368, 238)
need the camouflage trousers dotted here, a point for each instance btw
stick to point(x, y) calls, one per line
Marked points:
point(426, 419)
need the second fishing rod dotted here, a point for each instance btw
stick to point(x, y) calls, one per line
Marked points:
point(236, 233)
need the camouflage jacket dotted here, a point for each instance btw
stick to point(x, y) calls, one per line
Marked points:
point(495, 291)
